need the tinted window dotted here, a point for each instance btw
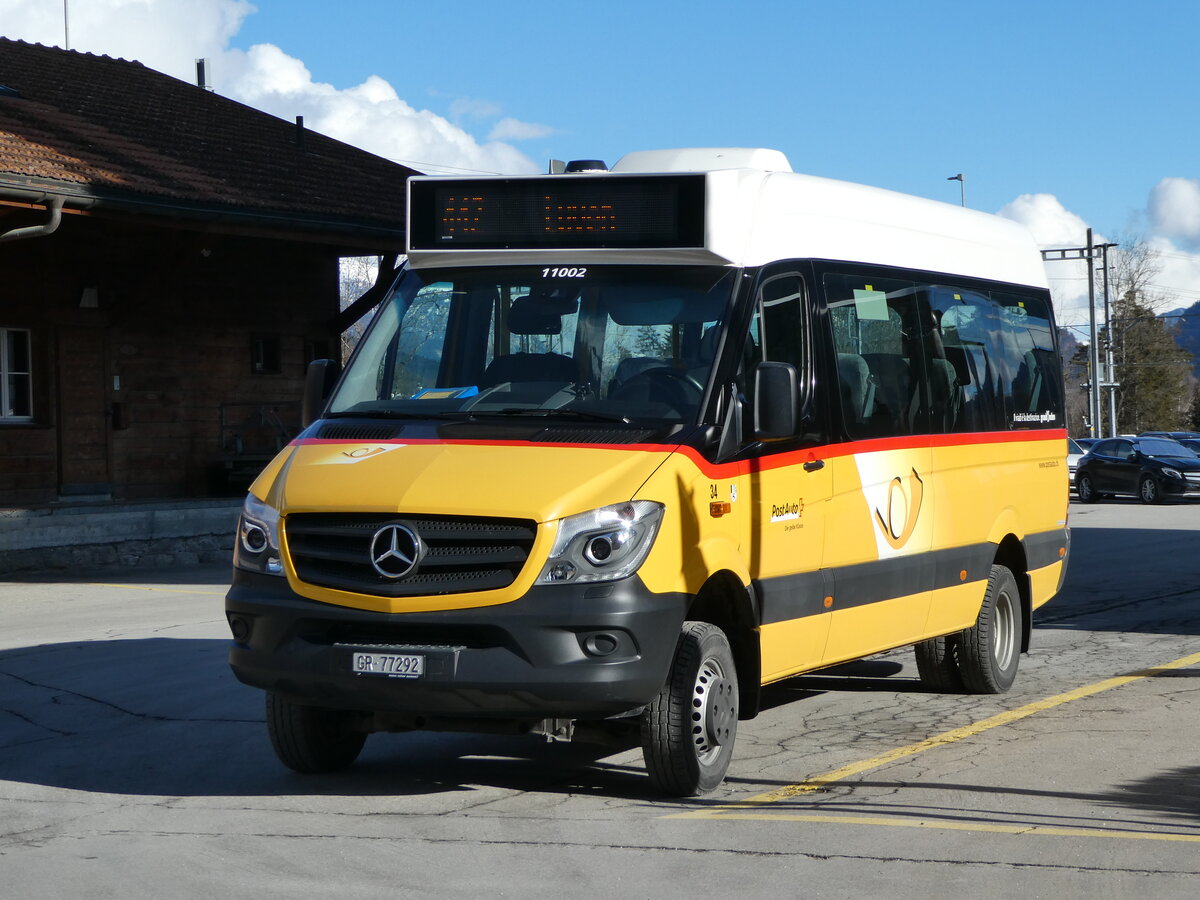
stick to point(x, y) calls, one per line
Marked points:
point(877, 332)
point(1159, 447)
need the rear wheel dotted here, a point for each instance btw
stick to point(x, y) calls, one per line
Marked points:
point(688, 730)
point(312, 738)
point(1086, 488)
point(988, 652)
point(1148, 490)
point(937, 664)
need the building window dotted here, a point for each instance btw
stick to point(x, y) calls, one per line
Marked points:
point(264, 354)
point(16, 376)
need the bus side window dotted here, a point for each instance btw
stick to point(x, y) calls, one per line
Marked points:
point(1002, 349)
point(782, 325)
point(777, 332)
point(877, 336)
point(970, 341)
point(1036, 390)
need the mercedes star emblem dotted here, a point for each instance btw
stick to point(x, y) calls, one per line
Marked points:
point(395, 550)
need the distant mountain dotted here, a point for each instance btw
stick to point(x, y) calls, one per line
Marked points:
point(1188, 333)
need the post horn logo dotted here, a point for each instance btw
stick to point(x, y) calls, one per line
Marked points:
point(895, 532)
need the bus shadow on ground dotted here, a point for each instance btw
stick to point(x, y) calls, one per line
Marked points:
point(1167, 799)
point(165, 716)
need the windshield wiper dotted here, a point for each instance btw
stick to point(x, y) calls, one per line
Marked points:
point(399, 414)
point(585, 415)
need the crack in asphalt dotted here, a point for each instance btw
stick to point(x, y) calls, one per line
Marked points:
point(736, 852)
point(153, 717)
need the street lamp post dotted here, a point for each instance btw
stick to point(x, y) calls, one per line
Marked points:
point(962, 186)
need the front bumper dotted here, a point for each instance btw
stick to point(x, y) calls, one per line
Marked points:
point(561, 651)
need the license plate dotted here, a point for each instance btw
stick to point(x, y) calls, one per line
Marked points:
point(391, 665)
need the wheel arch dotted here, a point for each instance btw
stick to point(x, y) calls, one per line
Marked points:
point(733, 607)
point(1011, 554)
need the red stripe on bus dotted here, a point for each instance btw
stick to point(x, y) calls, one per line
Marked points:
point(745, 466)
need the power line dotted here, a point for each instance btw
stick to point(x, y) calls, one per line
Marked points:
point(413, 163)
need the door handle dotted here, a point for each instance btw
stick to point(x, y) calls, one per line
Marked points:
point(814, 465)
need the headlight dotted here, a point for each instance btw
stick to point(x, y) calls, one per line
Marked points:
point(1171, 473)
point(603, 544)
point(257, 545)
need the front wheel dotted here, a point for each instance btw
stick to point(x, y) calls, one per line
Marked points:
point(688, 730)
point(989, 651)
point(1148, 490)
point(1086, 488)
point(311, 738)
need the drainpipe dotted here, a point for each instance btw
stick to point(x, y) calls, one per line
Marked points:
point(54, 207)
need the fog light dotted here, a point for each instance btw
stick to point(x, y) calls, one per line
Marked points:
point(562, 571)
point(240, 628)
point(601, 644)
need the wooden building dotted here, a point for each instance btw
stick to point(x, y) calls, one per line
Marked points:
point(168, 267)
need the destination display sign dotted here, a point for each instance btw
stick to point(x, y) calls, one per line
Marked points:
point(601, 211)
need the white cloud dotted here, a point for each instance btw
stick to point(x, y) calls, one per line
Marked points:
point(473, 108)
point(1174, 208)
point(1055, 226)
point(1052, 224)
point(169, 35)
point(1174, 212)
point(509, 129)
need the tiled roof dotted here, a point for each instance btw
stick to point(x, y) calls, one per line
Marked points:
point(92, 126)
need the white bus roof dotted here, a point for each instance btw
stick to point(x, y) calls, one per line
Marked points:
point(758, 211)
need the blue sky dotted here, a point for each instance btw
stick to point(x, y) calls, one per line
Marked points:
point(1092, 102)
point(1060, 114)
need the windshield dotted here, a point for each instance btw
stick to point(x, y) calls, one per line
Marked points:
point(620, 343)
point(1164, 447)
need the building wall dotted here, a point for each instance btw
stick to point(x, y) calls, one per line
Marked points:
point(153, 391)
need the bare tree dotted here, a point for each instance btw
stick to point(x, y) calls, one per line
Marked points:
point(356, 277)
point(1153, 370)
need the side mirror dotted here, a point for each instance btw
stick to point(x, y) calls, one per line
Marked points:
point(318, 382)
point(776, 399)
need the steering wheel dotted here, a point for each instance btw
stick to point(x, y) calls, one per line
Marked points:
point(674, 387)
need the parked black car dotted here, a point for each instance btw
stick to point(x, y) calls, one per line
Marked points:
point(1150, 469)
point(1173, 435)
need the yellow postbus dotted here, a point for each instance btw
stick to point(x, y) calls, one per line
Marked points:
point(621, 447)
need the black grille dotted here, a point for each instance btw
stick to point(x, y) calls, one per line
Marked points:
point(562, 435)
point(371, 431)
point(462, 553)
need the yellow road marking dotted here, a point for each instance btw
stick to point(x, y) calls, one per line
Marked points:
point(961, 826)
point(142, 587)
point(730, 810)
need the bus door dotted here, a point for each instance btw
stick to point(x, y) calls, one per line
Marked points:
point(789, 487)
point(880, 525)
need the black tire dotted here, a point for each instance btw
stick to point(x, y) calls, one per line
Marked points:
point(1085, 488)
point(989, 651)
point(311, 738)
point(937, 664)
point(689, 729)
point(1148, 490)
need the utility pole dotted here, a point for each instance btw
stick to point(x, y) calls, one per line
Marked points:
point(1108, 347)
point(1098, 378)
point(66, 28)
